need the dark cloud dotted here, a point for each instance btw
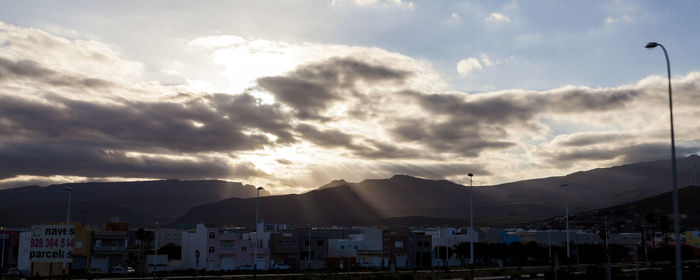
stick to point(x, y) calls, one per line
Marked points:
point(326, 138)
point(574, 100)
point(468, 126)
point(497, 109)
point(209, 123)
point(373, 149)
point(311, 88)
point(306, 97)
point(521, 107)
point(43, 133)
point(452, 136)
point(32, 71)
point(76, 159)
point(626, 153)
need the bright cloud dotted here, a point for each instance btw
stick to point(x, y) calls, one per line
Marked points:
point(497, 18)
point(246, 60)
point(379, 3)
point(467, 66)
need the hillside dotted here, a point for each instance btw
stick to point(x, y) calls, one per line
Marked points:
point(630, 217)
point(333, 206)
point(404, 195)
point(400, 199)
point(404, 199)
point(139, 203)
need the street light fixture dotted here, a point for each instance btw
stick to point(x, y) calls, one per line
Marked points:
point(65, 244)
point(255, 250)
point(676, 218)
point(566, 212)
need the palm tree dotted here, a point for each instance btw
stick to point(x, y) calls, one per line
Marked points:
point(142, 236)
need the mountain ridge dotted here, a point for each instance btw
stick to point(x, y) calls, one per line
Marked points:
point(139, 202)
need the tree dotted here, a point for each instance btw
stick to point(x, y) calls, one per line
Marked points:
point(142, 236)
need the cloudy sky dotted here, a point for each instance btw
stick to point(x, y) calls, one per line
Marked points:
point(292, 94)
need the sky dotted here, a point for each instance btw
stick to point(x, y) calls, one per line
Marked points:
point(290, 95)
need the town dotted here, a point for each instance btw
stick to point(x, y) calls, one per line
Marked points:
point(114, 248)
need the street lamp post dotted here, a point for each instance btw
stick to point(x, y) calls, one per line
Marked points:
point(65, 247)
point(676, 218)
point(646, 254)
point(566, 214)
point(2, 262)
point(255, 250)
point(308, 257)
point(608, 273)
point(155, 258)
point(471, 220)
point(471, 226)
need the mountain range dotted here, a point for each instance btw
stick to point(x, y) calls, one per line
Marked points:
point(399, 200)
point(139, 203)
point(405, 199)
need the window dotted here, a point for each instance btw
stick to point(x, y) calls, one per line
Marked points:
point(280, 243)
point(342, 246)
point(398, 244)
point(244, 249)
point(212, 235)
point(319, 243)
point(355, 247)
point(211, 249)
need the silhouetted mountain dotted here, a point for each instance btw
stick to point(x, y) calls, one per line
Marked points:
point(331, 206)
point(139, 203)
point(373, 201)
point(404, 195)
point(630, 217)
point(402, 199)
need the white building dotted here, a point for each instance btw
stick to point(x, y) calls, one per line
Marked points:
point(23, 263)
point(193, 241)
point(450, 237)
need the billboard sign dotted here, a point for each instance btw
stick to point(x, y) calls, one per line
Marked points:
point(49, 243)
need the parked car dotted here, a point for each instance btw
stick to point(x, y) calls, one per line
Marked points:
point(281, 266)
point(245, 267)
point(95, 271)
point(117, 270)
point(14, 272)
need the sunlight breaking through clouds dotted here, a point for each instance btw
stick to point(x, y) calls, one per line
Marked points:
point(292, 116)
